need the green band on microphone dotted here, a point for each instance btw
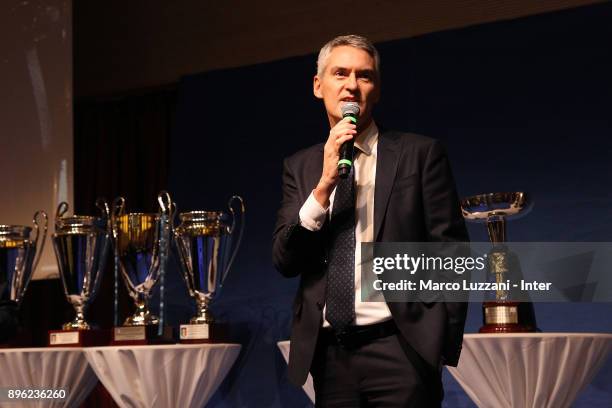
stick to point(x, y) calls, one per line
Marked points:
point(353, 119)
point(345, 161)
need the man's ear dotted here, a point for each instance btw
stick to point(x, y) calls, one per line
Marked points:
point(316, 87)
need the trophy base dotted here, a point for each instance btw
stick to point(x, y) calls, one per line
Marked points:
point(141, 335)
point(78, 338)
point(203, 333)
point(506, 328)
point(508, 317)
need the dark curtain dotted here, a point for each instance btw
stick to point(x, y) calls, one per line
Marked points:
point(121, 149)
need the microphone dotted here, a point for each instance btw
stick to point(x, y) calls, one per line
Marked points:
point(349, 110)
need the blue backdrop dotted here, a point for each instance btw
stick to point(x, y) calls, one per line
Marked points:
point(521, 105)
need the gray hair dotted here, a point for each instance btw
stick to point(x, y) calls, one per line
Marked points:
point(350, 40)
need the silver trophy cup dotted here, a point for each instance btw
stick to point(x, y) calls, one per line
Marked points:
point(501, 312)
point(81, 245)
point(494, 208)
point(138, 241)
point(19, 256)
point(207, 248)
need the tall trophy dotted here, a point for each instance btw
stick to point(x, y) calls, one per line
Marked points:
point(207, 248)
point(81, 245)
point(19, 257)
point(141, 243)
point(502, 313)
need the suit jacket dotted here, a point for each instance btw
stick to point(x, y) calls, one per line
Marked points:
point(415, 200)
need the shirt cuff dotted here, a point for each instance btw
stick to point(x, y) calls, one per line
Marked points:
point(312, 214)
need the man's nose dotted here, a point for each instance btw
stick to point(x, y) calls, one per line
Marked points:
point(351, 82)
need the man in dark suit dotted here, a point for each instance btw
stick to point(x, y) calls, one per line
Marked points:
point(400, 189)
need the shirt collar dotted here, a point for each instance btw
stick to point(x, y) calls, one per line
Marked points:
point(367, 139)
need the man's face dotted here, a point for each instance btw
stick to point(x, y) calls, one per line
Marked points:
point(349, 76)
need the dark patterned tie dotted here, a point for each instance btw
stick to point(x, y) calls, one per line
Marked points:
point(340, 294)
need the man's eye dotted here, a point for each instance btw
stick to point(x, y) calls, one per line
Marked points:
point(339, 74)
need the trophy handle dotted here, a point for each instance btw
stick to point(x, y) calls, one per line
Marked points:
point(102, 205)
point(118, 209)
point(173, 211)
point(230, 230)
point(62, 209)
point(166, 206)
point(36, 221)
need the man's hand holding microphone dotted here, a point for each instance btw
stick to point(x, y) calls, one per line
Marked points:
point(337, 153)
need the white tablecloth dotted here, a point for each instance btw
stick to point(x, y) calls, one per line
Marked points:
point(308, 387)
point(162, 375)
point(526, 370)
point(47, 368)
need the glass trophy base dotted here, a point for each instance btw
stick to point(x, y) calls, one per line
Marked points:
point(203, 333)
point(141, 335)
point(78, 338)
point(508, 317)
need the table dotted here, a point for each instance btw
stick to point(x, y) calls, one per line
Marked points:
point(529, 369)
point(308, 387)
point(177, 375)
point(47, 368)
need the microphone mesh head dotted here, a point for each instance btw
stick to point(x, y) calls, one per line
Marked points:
point(350, 109)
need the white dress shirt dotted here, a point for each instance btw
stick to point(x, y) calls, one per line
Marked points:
point(312, 217)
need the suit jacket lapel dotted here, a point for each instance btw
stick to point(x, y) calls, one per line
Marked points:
point(386, 169)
